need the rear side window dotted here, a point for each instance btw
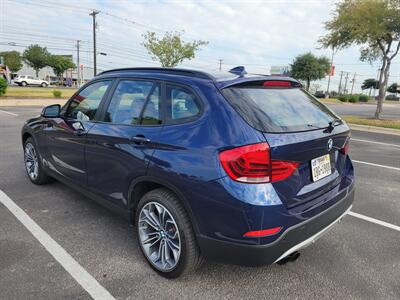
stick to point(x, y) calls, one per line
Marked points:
point(129, 100)
point(182, 104)
point(278, 109)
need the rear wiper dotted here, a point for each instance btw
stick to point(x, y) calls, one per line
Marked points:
point(330, 127)
point(332, 124)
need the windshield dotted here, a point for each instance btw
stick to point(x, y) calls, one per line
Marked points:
point(279, 110)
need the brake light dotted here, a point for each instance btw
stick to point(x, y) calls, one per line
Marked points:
point(277, 83)
point(263, 233)
point(345, 149)
point(253, 164)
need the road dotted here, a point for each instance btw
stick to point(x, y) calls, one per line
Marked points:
point(357, 259)
point(390, 111)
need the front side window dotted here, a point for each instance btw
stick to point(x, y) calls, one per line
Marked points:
point(83, 106)
point(182, 104)
point(129, 99)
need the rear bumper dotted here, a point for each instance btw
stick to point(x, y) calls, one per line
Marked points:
point(293, 239)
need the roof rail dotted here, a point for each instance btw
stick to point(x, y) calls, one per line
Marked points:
point(183, 72)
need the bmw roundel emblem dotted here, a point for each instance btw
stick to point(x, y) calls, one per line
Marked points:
point(330, 144)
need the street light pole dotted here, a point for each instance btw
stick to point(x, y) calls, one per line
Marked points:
point(93, 14)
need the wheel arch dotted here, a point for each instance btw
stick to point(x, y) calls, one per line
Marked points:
point(144, 184)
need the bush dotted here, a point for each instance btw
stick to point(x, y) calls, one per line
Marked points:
point(333, 94)
point(353, 98)
point(3, 86)
point(57, 93)
point(343, 98)
point(363, 98)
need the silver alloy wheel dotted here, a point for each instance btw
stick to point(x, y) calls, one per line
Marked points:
point(31, 161)
point(159, 236)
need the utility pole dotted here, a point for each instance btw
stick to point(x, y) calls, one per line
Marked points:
point(220, 64)
point(93, 14)
point(78, 81)
point(345, 83)
point(352, 83)
point(330, 74)
point(340, 83)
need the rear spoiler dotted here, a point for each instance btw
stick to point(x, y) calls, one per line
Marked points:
point(271, 81)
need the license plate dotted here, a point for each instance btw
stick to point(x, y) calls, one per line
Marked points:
point(321, 167)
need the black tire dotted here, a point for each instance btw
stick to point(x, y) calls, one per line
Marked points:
point(42, 177)
point(23, 83)
point(190, 258)
point(43, 84)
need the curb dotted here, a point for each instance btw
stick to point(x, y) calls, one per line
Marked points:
point(31, 102)
point(374, 129)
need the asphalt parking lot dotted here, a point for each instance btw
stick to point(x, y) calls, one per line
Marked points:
point(390, 110)
point(357, 259)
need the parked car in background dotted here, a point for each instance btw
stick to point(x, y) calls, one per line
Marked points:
point(238, 168)
point(25, 80)
point(392, 97)
point(319, 94)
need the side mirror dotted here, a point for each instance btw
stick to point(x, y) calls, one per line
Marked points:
point(51, 111)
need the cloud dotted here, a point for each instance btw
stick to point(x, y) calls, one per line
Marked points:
point(256, 34)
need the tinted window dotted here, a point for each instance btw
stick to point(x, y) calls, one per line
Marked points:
point(152, 113)
point(83, 106)
point(30, 77)
point(128, 101)
point(182, 103)
point(277, 109)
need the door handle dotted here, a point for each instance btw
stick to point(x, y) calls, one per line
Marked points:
point(140, 140)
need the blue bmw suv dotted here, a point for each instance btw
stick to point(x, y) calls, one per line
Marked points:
point(239, 168)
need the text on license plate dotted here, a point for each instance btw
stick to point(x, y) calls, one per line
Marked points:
point(321, 167)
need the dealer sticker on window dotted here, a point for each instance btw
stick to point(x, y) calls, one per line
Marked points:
point(321, 167)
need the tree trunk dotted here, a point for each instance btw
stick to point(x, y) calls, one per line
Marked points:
point(37, 73)
point(308, 85)
point(383, 78)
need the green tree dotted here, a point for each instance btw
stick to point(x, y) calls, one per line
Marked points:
point(308, 67)
point(36, 57)
point(372, 24)
point(12, 60)
point(370, 83)
point(393, 88)
point(60, 64)
point(170, 50)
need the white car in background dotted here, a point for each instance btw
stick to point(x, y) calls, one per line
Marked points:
point(24, 80)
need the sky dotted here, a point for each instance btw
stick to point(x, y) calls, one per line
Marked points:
point(255, 34)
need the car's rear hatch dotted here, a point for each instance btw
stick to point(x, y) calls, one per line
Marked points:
point(298, 128)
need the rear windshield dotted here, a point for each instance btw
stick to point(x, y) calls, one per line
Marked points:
point(277, 109)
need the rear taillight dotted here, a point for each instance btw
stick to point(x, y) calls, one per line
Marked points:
point(253, 164)
point(345, 149)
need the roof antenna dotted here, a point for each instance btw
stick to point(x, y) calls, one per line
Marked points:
point(238, 71)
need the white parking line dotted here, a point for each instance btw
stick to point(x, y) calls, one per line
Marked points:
point(87, 281)
point(10, 113)
point(375, 165)
point(378, 143)
point(376, 221)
